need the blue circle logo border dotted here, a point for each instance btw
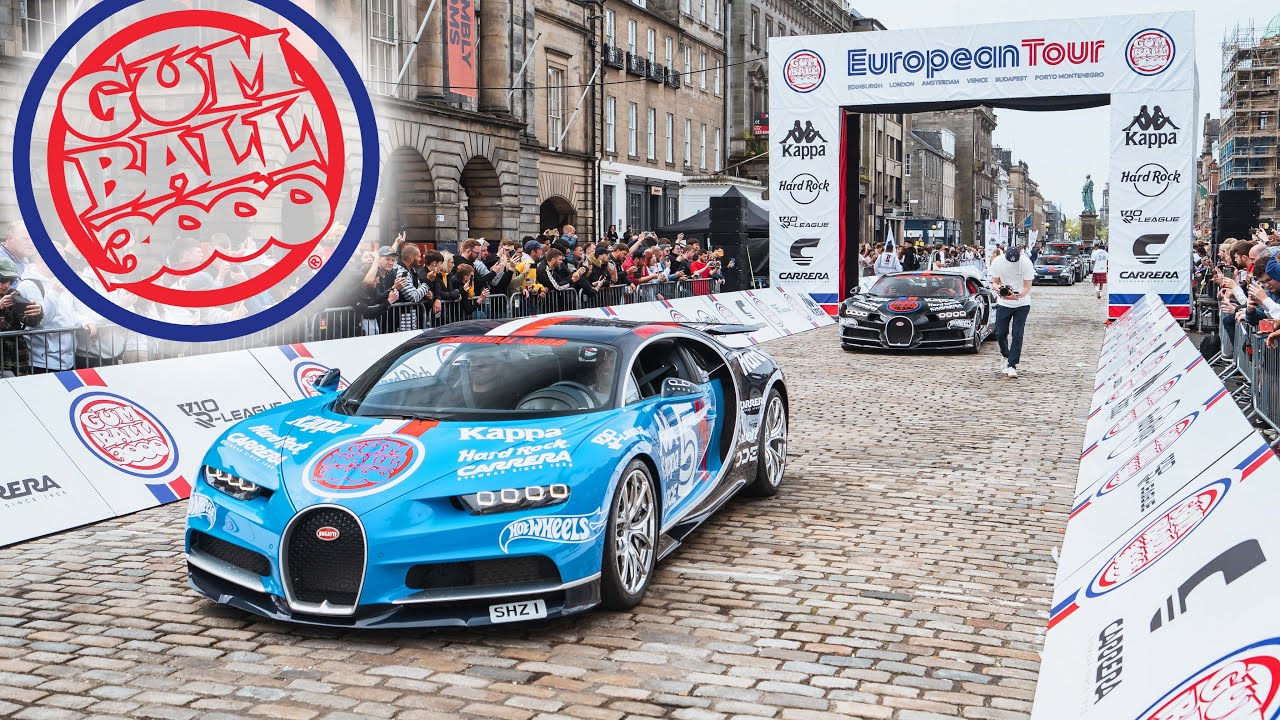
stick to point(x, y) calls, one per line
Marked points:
point(278, 313)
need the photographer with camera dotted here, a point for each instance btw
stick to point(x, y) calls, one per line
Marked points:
point(1012, 275)
point(17, 312)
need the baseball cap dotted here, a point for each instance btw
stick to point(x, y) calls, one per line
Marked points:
point(1273, 269)
point(386, 251)
point(532, 245)
point(8, 270)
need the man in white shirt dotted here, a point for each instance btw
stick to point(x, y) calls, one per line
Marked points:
point(1099, 260)
point(887, 262)
point(1011, 276)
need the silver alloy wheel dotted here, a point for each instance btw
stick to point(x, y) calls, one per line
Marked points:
point(634, 531)
point(775, 444)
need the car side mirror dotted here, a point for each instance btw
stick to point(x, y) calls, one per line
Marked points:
point(678, 388)
point(329, 381)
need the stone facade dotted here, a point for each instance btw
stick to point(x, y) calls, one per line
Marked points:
point(663, 114)
point(975, 164)
point(930, 178)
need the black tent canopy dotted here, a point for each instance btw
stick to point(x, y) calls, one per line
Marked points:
point(757, 240)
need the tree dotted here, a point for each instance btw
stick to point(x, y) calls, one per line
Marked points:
point(1072, 228)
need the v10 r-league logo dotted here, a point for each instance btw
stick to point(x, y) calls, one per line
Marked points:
point(195, 164)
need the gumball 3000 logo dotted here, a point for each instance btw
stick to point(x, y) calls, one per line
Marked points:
point(196, 159)
point(362, 466)
point(123, 434)
point(305, 375)
point(1240, 686)
point(1159, 538)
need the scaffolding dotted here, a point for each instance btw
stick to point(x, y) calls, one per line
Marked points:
point(1249, 146)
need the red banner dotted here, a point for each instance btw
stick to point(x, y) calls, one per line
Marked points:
point(460, 42)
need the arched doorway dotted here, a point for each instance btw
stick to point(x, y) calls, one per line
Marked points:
point(409, 202)
point(481, 198)
point(555, 212)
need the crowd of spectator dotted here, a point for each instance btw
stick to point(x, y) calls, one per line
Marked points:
point(400, 286)
point(884, 258)
point(1246, 276)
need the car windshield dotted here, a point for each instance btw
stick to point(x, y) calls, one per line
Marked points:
point(926, 286)
point(1053, 260)
point(465, 376)
point(1066, 249)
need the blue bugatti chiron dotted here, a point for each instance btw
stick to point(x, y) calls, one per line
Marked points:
point(486, 472)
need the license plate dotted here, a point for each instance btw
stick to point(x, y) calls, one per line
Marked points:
point(517, 611)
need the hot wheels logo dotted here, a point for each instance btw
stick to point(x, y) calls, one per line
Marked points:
point(123, 434)
point(564, 529)
point(1241, 685)
point(364, 466)
point(1159, 538)
point(196, 124)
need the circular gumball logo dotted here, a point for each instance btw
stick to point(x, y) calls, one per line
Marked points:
point(1159, 538)
point(305, 375)
point(363, 466)
point(1243, 684)
point(195, 164)
point(904, 305)
point(122, 434)
point(804, 71)
point(1150, 52)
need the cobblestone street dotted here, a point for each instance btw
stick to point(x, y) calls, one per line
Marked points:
point(904, 571)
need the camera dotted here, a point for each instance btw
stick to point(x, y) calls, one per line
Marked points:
point(1006, 291)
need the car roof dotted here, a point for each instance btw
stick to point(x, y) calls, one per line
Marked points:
point(610, 331)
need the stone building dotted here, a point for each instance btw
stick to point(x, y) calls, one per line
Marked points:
point(663, 106)
point(752, 23)
point(975, 164)
point(1207, 171)
point(930, 177)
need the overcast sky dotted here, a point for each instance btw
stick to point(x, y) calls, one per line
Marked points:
point(1062, 147)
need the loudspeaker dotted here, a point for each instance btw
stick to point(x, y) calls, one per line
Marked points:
point(1229, 198)
point(728, 209)
point(727, 227)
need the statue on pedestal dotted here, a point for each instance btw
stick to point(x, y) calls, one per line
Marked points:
point(1086, 194)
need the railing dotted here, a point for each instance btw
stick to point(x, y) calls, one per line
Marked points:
point(28, 352)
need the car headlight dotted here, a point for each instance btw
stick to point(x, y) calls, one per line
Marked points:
point(960, 324)
point(848, 322)
point(487, 502)
point(236, 487)
point(952, 314)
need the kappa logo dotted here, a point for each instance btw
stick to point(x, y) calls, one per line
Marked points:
point(1243, 684)
point(244, 124)
point(560, 529)
point(363, 466)
point(1150, 129)
point(1150, 52)
point(507, 434)
point(798, 249)
point(1147, 248)
point(124, 435)
point(804, 142)
point(1159, 538)
point(804, 71)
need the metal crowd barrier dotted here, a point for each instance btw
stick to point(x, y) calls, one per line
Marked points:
point(28, 352)
point(1265, 396)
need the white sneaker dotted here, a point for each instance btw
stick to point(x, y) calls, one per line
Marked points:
point(1010, 372)
point(1004, 364)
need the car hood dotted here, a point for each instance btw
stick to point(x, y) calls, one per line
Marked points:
point(318, 456)
point(903, 305)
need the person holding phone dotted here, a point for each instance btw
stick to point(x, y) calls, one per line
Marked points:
point(1012, 275)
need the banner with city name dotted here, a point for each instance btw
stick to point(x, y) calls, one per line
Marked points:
point(1134, 60)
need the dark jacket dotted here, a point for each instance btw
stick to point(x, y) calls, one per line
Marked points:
point(910, 261)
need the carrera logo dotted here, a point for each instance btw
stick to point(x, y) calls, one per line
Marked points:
point(27, 487)
point(803, 276)
point(1150, 180)
point(327, 534)
point(1136, 216)
point(1149, 130)
point(364, 466)
point(1241, 685)
point(122, 434)
point(904, 305)
point(804, 142)
point(152, 128)
point(1149, 274)
point(1150, 52)
point(793, 221)
point(305, 375)
point(798, 249)
point(1147, 248)
point(804, 188)
point(1159, 538)
point(804, 71)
